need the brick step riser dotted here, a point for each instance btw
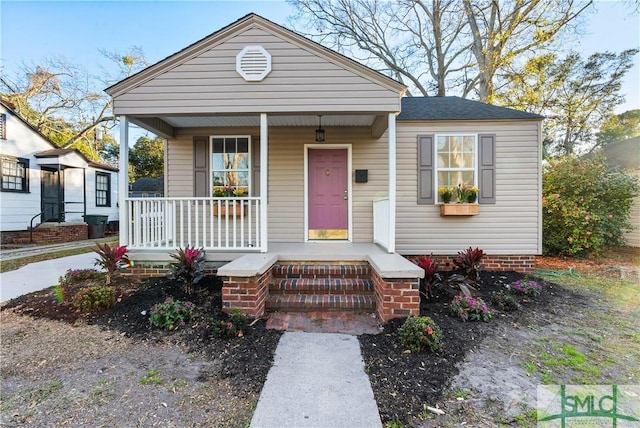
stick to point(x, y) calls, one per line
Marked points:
point(322, 271)
point(305, 303)
point(322, 286)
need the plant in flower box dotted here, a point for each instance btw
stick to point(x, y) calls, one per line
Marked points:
point(467, 194)
point(446, 194)
point(235, 207)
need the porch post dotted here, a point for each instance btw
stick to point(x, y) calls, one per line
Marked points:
point(264, 188)
point(392, 183)
point(123, 181)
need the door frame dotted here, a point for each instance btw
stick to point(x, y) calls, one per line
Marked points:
point(349, 190)
point(60, 215)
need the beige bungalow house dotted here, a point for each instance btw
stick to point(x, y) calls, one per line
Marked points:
point(308, 177)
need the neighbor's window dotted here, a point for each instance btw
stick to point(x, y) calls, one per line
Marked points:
point(103, 189)
point(456, 160)
point(15, 175)
point(230, 166)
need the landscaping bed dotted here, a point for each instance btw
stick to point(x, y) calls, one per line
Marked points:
point(114, 368)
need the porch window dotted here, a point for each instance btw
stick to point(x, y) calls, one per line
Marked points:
point(456, 160)
point(15, 174)
point(103, 189)
point(230, 166)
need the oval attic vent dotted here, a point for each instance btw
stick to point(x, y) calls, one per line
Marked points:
point(253, 63)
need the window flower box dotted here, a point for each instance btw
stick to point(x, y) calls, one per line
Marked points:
point(459, 209)
point(234, 208)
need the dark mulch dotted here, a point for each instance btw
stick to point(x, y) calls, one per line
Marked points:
point(403, 383)
point(243, 361)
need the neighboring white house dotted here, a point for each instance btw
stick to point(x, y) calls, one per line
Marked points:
point(43, 183)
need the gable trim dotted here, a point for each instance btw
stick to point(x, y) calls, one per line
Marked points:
point(245, 23)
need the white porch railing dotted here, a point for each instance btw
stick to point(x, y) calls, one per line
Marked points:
point(211, 223)
point(381, 222)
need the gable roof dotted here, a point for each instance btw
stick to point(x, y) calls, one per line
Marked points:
point(147, 184)
point(456, 108)
point(241, 24)
point(55, 151)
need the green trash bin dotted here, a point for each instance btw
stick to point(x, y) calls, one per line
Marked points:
point(97, 224)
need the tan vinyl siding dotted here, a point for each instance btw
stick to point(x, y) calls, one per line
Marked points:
point(511, 226)
point(286, 175)
point(300, 81)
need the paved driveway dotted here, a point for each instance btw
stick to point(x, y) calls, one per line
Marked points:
point(40, 275)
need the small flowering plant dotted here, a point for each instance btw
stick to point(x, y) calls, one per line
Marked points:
point(470, 308)
point(446, 194)
point(467, 194)
point(229, 192)
point(234, 326)
point(526, 287)
point(505, 301)
point(171, 314)
point(188, 267)
point(419, 334)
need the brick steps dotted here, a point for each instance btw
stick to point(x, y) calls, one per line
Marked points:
point(321, 286)
point(301, 287)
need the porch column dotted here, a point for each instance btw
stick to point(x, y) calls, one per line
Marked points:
point(123, 181)
point(392, 182)
point(264, 188)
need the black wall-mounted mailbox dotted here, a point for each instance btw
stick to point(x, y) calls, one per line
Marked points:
point(362, 175)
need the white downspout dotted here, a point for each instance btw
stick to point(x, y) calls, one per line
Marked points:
point(264, 188)
point(123, 181)
point(392, 183)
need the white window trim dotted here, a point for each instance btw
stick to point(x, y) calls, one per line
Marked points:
point(249, 164)
point(437, 168)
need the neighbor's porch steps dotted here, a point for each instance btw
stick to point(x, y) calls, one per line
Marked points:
point(304, 287)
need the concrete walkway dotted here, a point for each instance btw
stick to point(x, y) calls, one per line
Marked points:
point(317, 380)
point(41, 275)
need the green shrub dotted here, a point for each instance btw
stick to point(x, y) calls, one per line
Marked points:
point(505, 301)
point(75, 276)
point(470, 308)
point(419, 334)
point(171, 314)
point(94, 299)
point(585, 207)
point(235, 326)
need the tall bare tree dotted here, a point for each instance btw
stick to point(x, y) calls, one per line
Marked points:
point(506, 30)
point(65, 102)
point(419, 43)
point(439, 46)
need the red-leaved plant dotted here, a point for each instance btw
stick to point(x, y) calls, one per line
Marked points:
point(111, 259)
point(468, 262)
point(431, 275)
point(188, 267)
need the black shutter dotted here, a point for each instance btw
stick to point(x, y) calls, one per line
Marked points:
point(426, 192)
point(487, 168)
point(201, 167)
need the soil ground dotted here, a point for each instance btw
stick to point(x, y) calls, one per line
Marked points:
point(60, 367)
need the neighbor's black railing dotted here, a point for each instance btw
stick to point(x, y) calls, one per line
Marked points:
point(61, 217)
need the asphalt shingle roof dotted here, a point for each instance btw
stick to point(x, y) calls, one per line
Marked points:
point(456, 108)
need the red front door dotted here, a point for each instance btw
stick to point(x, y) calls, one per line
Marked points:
point(328, 198)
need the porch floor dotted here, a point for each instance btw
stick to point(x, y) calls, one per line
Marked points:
point(387, 265)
